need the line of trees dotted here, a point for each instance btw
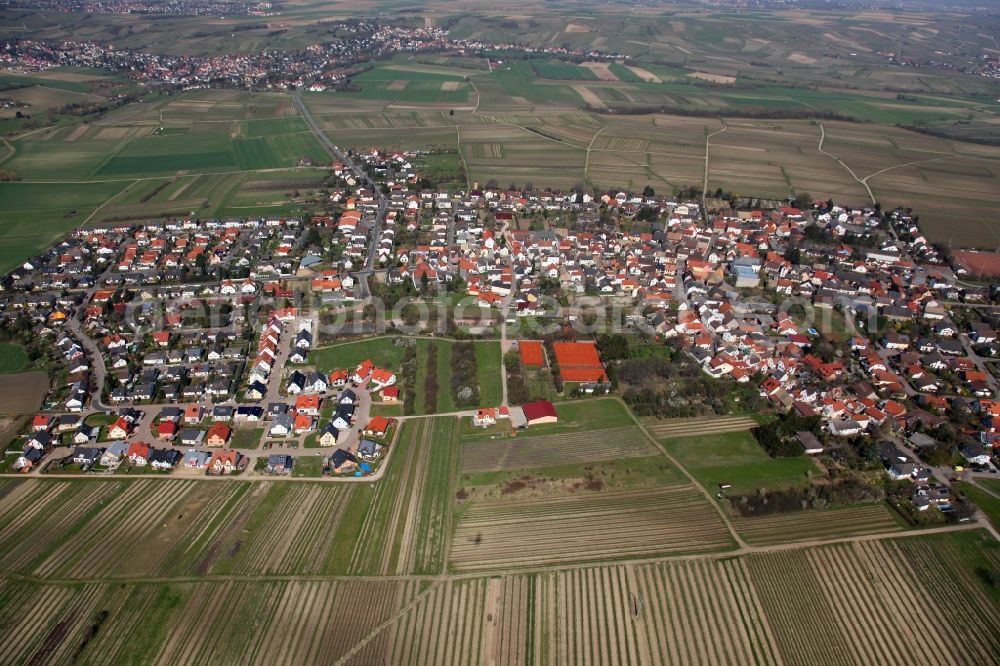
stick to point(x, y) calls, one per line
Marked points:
point(517, 389)
point(849, 491)
point(408, 374)
point(464, 374)
point(431, 381)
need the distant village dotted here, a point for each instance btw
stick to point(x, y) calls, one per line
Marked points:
point(317, 67)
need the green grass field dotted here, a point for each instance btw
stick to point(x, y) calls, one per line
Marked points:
point(586, 414)
point(246, 438)
point(989, 502)
point(37, 214)
point(348, 355)
point(644, 472)
point(736, 458)
point(488, 365)
point(13, 357)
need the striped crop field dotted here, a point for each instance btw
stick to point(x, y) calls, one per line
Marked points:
point(700, 425)
point(699, 612)
point(444, 627)
point(384, 509)
point(627, 144)
point(604, 525)
point(82, 529)
point(51, 513)
point(431, 526)
point(816, 524)
point(905, 600)
point(296, 535)
point(868, 603)
point(112, 535)
point(676, 613)
point(482, 150)
point(561, 449)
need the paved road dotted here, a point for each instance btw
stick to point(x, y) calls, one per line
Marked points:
point(361, 277)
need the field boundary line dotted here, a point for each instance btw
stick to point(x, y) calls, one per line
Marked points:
point(822, 138)
point(900, 166)
point(107, 201)
point(392, 619)
point(722, 514)
point(461, 155)
point(708, 140)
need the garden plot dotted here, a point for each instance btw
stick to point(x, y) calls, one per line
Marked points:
point(612, 524)
point(565, 448)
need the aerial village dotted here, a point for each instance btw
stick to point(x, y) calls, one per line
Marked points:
point(189, 345)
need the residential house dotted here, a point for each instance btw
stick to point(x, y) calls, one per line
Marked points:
point(279, 464)
point(164, 459)
point(343, 461)
point(225, 461)
point(218, 435)
point(281, 426)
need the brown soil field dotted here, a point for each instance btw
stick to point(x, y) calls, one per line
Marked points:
point(802, 59)
point(714, 78)
point(601, 69)
point(521, 453)
point(599, 525)
point(22, 392)
point(450, 85)
point(397, 85)
point(644, 74)
point(588, 95)
point(985, 264)
point(576, 27)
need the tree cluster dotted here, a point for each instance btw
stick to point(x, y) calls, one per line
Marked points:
point(843, 492)
point(517, 389)
point(464, 374)
point(777, 437)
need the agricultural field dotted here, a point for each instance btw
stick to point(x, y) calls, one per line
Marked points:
point(13, 357)
point(510, 533)
point(699, 425)
point(813, 524)
point(80, 529)
point(400, 524)
point(36, 215)
point(782, 607)
point(580, 447)
point(671, 613)
point(737, 459)
point(859, 603)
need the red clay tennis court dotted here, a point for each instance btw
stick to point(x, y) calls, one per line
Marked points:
point(531, 353)
point(579, 362)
